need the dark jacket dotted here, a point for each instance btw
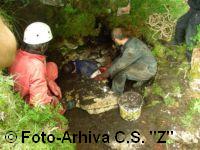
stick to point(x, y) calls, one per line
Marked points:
point(134, 54)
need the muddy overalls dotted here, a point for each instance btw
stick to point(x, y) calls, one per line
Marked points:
point(136, 63)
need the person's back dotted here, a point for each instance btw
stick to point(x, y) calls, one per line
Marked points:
point(146, 55)
point(25, 67)
point(136, 62)
point(34, 79)
point(136, 54)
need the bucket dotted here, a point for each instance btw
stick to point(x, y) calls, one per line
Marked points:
point(130, 104)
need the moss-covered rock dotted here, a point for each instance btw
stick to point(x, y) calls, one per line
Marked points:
point(195, 70)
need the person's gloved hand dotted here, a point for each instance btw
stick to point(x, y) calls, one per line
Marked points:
point(103, 76)
point(55, 89)
point(54, 101)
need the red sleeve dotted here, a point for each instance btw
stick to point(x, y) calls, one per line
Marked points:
point(52, 71)
point(38, 85)
point(52, 75)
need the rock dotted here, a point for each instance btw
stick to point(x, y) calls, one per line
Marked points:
point(2, 116)
point(101, 60)
point(127, 144)
point(93, 57)
point(104, 52)
point(186, 137)
point(195, 71)
point(58, 3)
point(91, 95)
point(70, 45)
point(97, 105)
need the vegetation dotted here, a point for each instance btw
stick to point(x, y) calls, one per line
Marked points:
point(193, 112)
point(83, 18)
point(157, 90)
point(195, 41)
point(17, 116)
point(78, 19)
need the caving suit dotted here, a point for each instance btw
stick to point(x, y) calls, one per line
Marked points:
point(186, 26)
point(136, 63)
point(34, 79)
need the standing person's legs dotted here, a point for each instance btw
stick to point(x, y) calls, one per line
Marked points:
point(181, 27)
point(191, 32)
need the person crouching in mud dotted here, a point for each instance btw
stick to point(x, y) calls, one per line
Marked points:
point(136, 62)
point(80, 67)
point(85, 68)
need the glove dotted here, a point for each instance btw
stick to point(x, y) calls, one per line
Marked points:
point(55, 89)
point(54, 101)
point(103, 76)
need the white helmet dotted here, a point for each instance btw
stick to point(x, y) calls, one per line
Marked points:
point(37, 33)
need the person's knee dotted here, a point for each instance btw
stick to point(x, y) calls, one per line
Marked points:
point(118, 83)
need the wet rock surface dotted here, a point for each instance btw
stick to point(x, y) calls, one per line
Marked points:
point(101, 54)
point(57, 3)
point(165, 107)
point(195, 71)
point(186, 137)
point(90, 95)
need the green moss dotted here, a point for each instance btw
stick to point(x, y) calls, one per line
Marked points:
point(169, 101)
point(157, 90)
point(159, 51)
point(141, 10)
point(17, 116)
point(193, 111)
point(195, 40)
point(77, 25)
point(194, 72)
point(77, 18)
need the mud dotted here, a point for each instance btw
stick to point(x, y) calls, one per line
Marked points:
point(158, 112)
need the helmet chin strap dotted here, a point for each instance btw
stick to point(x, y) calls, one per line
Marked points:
point(41, 50)
point(35, 52)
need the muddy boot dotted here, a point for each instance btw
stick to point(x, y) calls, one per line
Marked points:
point(138, 84)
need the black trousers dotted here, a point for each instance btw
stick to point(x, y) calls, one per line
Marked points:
point(181, 28)
point(186, 28)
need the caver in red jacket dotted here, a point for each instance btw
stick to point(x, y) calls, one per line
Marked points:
point(34, 79)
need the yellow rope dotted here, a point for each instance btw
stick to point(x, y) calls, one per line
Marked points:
point(162, 24)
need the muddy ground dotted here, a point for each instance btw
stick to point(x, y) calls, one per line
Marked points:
point(165, 100)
